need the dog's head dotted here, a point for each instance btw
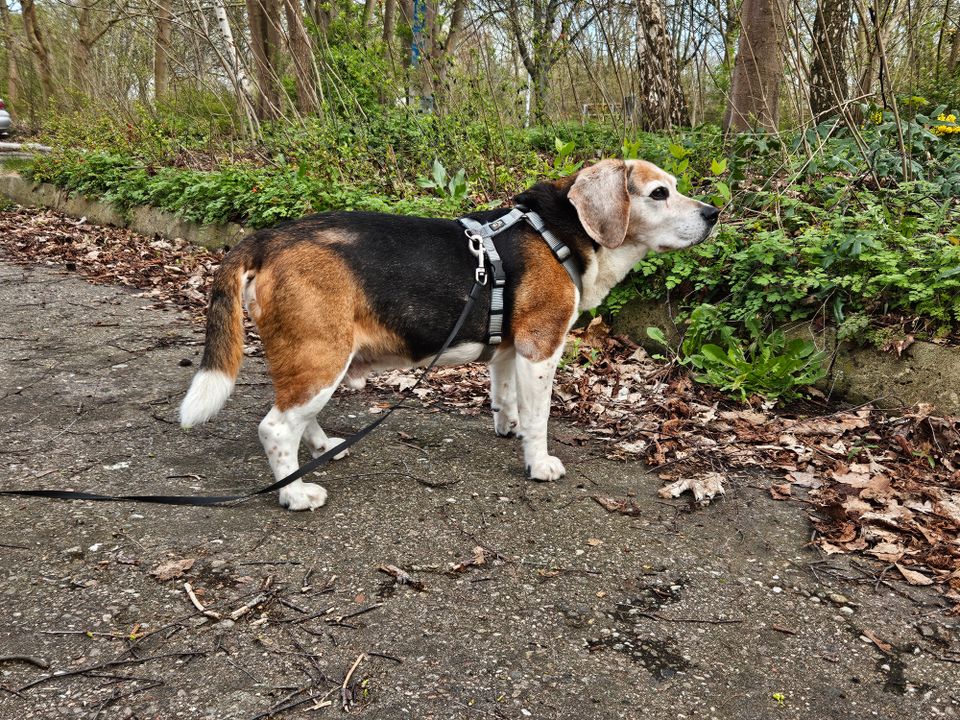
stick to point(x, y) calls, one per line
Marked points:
point(635, 202)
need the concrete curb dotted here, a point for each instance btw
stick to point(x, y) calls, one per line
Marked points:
point(925, 373)
point(145, 220)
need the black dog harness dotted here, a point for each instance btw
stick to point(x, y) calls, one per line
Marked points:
point(481, 244)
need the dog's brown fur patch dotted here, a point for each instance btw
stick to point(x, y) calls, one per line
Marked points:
point(544, 302)
point(311, 314)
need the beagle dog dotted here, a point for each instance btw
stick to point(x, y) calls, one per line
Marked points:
point(337, 295)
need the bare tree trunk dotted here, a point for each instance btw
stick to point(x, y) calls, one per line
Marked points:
point(301, 52)
point(264, 41)
point(12, 72)
point(944, 29)
point(161, 49)
point(389, 26)
point(441, 53)
point(537, 56)
point(828, 75)
point(81, 54)
point(324, 14)
point(878, 33)
point(661, 102)
point(368, 8)
point(954, 59)
point(406, 44)
point(755, 87)
point(38, 48)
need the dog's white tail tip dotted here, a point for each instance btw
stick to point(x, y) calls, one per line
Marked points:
point(208, 393)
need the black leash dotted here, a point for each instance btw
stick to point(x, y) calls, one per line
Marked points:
point(309, 467)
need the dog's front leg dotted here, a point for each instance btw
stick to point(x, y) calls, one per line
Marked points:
point(503, 391)
point(534, 387)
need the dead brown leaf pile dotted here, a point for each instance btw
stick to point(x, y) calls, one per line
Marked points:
point(171, 273)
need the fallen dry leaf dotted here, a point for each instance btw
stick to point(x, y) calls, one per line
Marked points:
point(885, 647)
point(479, 558)
point(402, 577)
point(913, 577)
point(625, 507)
point(170, 569)
point(781, 492)
point(704, 488)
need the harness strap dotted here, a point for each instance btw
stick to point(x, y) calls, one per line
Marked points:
point(304, 469)
point(560, 250)
point(485, 234)
point(495, 325)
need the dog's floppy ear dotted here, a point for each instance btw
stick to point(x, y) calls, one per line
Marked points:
point(602, 201)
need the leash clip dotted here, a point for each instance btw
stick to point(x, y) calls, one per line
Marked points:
point(476, 247)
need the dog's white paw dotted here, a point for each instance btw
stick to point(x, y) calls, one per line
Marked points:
point(331, 443)
point(704, 488)
point(505, 425)
point(299, 495)
point(546, 469)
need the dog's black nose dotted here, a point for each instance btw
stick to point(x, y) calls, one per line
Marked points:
point(710, 214)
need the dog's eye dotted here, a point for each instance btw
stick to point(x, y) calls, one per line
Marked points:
point(660, 193)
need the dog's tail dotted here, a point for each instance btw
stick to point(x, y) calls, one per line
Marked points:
point(223, 350)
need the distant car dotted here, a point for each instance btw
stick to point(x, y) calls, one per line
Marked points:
point(5, 121)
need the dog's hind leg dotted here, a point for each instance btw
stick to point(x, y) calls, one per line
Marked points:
point(503, 391)
point(280, 433)
point(318, 442)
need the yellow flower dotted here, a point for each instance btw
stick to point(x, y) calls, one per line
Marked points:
point(949, 125)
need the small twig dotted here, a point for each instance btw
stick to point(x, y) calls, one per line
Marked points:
point(198, 605)
point(781, 628)
point(247, 607)
point(37, 662)
point(285, 704)
point(88, 633)
point(103, 666)
point(294, 606)
point(346, 680)
point(340, 618)
point(12, 692)
point(120, 696)
point(400, 662)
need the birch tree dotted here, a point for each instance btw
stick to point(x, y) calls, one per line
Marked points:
point(660, 102)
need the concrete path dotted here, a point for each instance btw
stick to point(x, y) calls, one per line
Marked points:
point(575, 612)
